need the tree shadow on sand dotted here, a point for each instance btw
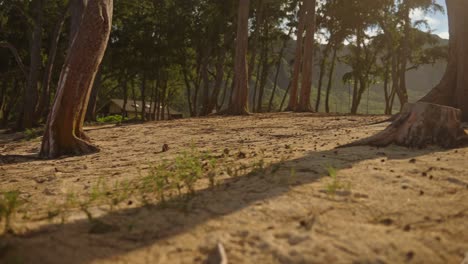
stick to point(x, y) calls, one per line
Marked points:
point(55, 243)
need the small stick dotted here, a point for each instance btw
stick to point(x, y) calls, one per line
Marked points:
point(222, 254)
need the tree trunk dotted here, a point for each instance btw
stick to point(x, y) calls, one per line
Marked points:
point(306, 85)
point(188, 88)
point(330, 78)
point(420, 125)
point(218, 79)
point(14, 52)
point(385, 86)
point(257, 80)
point(125, 97)
point(143, 97)
point(225, 90)
point(402, 91)
point(278, 67)
point(292, 105)
point(44, 101)
point(239, 103)
point(453, 88)
point(31, 91)
point(206, 83)
point(93, 98)
point(76, 79)
point(323, 64)
point(264, 76)
point(255, 37)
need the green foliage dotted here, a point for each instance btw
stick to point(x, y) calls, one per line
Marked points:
point(111, 119)
point(33, 133)
point(335, 184)
point(9, 203)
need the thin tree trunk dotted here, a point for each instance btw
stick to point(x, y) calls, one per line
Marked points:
point(385, 86)
point(125, 98)
point(206, 83)
point(218, 79)
point(284, 97)
point(31, 92)
point(225, 90)
point(265, 73)
point(330, 78)
point(188, 88)
point(255, 90)
point(278, 67)
point(14, 52)
point(44, 101)
point(255, 37)
point(93, 98)
point(403, 94)
point(292, 105)
point(323, 64)
point(143, 97)
point(76, 79)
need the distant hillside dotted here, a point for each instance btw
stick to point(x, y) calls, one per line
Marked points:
point(419, 82)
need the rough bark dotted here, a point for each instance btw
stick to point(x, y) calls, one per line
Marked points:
point(76, 79)
point(239, 103)
point(306, 85)
point(420, 125)
point(292, 105)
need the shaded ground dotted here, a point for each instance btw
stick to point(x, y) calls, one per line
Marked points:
point(399, 206)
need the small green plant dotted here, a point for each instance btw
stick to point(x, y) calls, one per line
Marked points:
point(335, 184)
point(188, 169)
point(9, 204)
point(30, 134)
point(111, 119)
point(158, 180)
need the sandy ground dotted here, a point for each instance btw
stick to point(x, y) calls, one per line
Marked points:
point(399, 206)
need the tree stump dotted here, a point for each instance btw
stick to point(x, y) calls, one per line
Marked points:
point(419, 125)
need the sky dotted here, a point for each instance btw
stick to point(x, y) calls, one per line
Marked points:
point(438, 22)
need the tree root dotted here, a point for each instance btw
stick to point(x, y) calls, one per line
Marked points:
point(420, 125)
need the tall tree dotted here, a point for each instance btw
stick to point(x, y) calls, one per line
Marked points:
point(434, 120)
point(239, 102)
point(306, 85)
point(63, 134)
point(292, 105)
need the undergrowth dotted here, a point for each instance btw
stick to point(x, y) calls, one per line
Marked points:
point(168, 183)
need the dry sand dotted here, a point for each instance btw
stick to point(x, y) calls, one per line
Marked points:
point(401, 205)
